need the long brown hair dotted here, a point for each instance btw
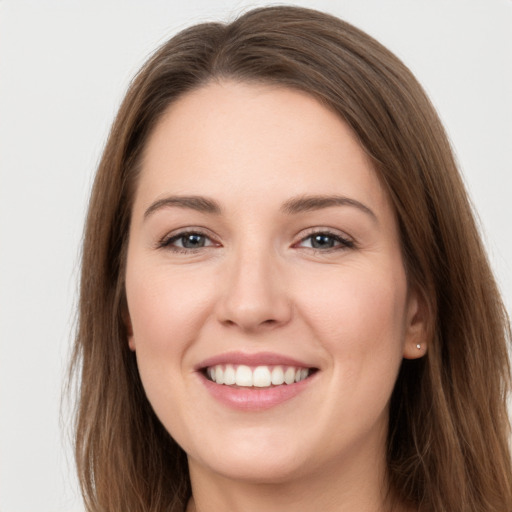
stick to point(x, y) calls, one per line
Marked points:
point(448, 441)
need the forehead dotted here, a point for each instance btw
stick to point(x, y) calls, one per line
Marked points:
point(228, 138)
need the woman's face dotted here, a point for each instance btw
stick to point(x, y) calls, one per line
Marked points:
point(263, 251)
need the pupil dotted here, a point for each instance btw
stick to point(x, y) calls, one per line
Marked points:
point(193, 241)
point(322, 241)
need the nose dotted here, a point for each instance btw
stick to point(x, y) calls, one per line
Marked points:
point(254, 297)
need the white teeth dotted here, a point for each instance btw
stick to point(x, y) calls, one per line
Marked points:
point(229, 375)
point(260, 377)
point(243, 376)
point(289, 375)
point(277, 376)
point(219, 375)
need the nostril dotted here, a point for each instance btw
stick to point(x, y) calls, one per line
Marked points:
point(270, 323)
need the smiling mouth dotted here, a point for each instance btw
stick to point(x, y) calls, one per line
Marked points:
point(243, 376)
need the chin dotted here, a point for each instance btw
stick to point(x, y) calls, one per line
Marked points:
point(254, 458)
point(271, 470)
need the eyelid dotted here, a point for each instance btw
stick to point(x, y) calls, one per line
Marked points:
point(345, 241)
point(166, 241)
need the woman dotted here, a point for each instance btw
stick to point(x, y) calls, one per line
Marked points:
point(284, 299)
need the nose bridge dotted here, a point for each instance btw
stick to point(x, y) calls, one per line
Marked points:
point(255, 294)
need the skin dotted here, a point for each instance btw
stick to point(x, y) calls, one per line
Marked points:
point(258, 285)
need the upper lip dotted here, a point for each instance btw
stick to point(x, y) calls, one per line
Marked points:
point(256, 359)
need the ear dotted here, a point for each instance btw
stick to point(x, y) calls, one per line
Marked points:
point(131, 340)
point(415, 345)
point(128, 327)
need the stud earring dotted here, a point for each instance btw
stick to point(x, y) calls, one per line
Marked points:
point(418, 346)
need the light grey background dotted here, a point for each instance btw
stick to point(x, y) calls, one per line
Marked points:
point(64, 66)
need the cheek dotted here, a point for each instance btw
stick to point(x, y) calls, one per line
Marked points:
point(358, 315)
point(359, 323)
point(165, 306)
point(167, 310)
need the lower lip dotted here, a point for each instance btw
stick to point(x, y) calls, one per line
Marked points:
point(255, 399)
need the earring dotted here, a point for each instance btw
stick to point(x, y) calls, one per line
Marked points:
point(418, 346)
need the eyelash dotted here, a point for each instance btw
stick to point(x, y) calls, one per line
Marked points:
point(343, 243)
point(166, 242)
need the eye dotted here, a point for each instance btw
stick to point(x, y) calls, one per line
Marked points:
point(187, 241)
point(324, 240)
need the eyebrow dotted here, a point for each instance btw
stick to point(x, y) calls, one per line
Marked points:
point(292, 206)
point(198, 203)
point(308, 203)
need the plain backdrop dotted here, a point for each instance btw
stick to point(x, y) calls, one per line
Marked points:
point(64, 66)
